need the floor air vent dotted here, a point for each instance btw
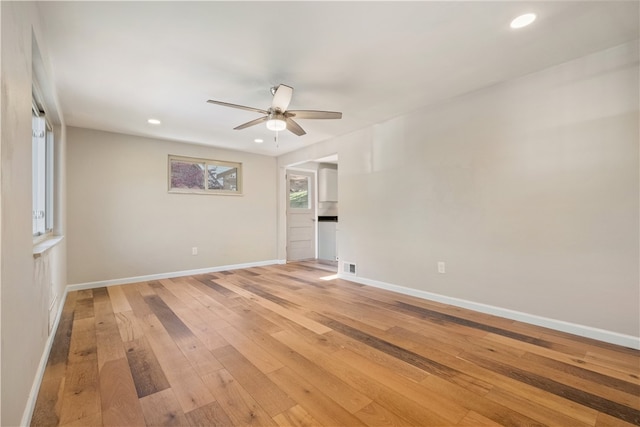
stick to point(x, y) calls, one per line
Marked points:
point(349, 268)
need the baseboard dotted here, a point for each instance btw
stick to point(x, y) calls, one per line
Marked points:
point(37, 381)
point(113, 282)
point(558, 325)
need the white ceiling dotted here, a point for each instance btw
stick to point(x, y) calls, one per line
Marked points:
point(116, 64)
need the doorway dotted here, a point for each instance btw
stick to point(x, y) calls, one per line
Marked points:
point(301, 215)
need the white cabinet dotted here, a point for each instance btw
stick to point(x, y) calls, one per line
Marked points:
point(327, 244)
point(328, 185)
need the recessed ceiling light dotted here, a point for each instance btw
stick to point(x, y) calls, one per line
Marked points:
point(258, 141)
point(523, 20)
point(154, 121)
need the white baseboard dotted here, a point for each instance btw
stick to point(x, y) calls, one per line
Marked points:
point(35, 387)
point(113, 282)
point(558, 325)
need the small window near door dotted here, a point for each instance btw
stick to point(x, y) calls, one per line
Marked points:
point(299, 192)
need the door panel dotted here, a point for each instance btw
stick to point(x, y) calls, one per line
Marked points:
point(301, 215)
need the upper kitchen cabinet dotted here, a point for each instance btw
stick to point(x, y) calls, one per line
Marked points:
point(328, 185)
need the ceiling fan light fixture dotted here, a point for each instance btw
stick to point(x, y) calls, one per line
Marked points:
point(276, 124)
point(523, 20)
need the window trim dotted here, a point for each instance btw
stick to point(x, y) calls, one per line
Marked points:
point(207, 163)
point(49, 171)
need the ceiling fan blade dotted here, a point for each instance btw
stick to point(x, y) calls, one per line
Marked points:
point(241, 107)
point(282, 98)
point(313, 114)
point(294, 127)
point(252, 123)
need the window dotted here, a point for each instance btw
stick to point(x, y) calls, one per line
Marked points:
point(42, 172)
point(299, 192)
point(189, 175)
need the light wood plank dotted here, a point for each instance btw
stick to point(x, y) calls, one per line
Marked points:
point(450, 411)
point(320, 406)
point(473, 419)
point(127, 326)
point(268, 395)
point(256, 354)
point(162, 409)
point(235, 401)
point(302, 363)
point(81, 398)
point(120, 406)
point(295, 417)
point(208, 416)
point(108, 342)
point(118, 299)
point(376, 415)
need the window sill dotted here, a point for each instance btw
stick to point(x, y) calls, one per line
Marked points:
point(45, 245)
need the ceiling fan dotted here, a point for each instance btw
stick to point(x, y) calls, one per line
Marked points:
point(277, 117)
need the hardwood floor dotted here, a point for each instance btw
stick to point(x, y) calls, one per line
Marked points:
point(280, 346)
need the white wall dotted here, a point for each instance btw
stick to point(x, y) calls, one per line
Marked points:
point(528, 190)
point(25, 281)
point(1, 139)
point(124, 223)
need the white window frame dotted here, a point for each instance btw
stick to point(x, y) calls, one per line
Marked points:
point(42, 204)
point(206, 163)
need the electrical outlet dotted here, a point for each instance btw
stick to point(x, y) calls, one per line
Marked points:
point(194, 250)
point(441, 267)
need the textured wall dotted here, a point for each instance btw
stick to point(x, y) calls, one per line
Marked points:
point(528, 190)
point(124, 223)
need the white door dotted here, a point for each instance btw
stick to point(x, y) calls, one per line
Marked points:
point(301, 215)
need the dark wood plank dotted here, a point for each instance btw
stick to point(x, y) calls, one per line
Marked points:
point(172, 323)
point(187, 386)
point(47, 409)
point(213, 285)
point(84, 307)
point(62, 340)
point(596, 377)
point(421, 362)
point(147, 374)
point(442, 318)
point(582, 397)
